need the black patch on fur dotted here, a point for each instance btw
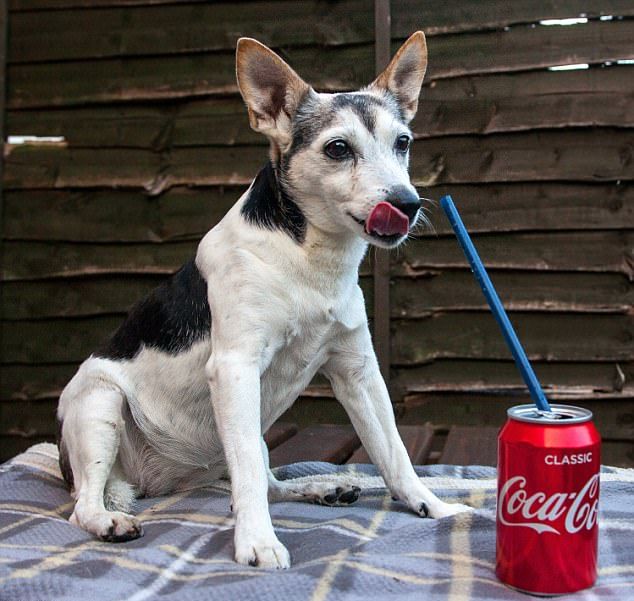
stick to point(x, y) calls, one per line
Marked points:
point(64, 462)
point(269, 206)
point(171, 318)
point(311, 118)
point(362, 104)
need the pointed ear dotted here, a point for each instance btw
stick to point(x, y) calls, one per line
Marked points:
point(403, 77)
point(271, 90)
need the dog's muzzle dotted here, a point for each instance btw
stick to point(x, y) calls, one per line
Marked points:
point(386, 220)
point(395, 215)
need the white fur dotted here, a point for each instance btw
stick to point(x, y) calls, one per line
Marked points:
point(281, 312)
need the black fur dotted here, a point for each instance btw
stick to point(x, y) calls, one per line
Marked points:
point(171, 318)
point(362, 104)
point(64, 461)
point(312, 118)
point(269, 206)
point(309, 120)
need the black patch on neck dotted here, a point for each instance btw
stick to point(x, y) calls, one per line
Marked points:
point(171, 318)
point(269, 206)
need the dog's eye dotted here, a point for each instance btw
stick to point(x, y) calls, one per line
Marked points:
point(338, 150)
point(402, 143)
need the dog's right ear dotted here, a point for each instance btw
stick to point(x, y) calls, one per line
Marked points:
point(271, 90)
point(403, 77)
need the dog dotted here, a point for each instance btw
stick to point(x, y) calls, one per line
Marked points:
point(182, 392)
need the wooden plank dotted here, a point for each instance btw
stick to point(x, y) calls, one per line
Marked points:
point(112, 29)
point(527, 100)
point(311, 409)
point(617, 452)
point(28, 418)
point(417, 440)
point(34, 382)
point(613, 417)
point(184, 27)
point(407, 15)
point(555, 251)
point(449, 17)
point(44, 167)
point(470, 445)
point(556, 337)
point(582, 155)
point(175, 76)
point(278, 433)
point(10, 446)
point(183, 213)
point(452, 290)
point(331, 443)
point(196, 122)
point(327, 68)
point(69, 259)
point(30, 5)
point(37, 260)
point(54, 341)
point(593, 155)
point(116, 215)
point(4, 30)
point(466, 105)
point(535, 206)
point(523, 48)
point(78, 298)
point(560, 380)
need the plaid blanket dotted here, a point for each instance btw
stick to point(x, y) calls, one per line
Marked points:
point(373, 549)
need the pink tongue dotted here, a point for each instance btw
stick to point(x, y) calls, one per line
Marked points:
point(386, 220)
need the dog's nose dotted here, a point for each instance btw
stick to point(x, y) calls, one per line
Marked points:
point(404, 199)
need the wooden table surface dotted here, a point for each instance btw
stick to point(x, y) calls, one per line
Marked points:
point(460, 445)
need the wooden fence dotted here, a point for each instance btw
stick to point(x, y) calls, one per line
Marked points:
point(157, 147)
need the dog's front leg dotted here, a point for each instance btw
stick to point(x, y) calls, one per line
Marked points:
point(234, 381)
point(358, 385)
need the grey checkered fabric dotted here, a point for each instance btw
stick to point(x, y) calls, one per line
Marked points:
point(374, 549)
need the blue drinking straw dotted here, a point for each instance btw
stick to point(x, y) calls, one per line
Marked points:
point(521, 360)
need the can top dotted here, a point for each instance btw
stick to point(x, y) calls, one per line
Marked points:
point(561, 415)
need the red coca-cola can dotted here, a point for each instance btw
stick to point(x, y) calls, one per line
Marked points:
point(548, 498)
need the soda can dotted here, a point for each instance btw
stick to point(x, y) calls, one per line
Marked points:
point(548, 500)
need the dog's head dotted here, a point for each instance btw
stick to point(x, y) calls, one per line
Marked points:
point(343, 158)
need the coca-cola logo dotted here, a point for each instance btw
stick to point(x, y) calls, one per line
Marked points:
point(538, 511)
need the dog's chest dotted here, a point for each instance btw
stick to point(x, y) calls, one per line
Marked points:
point(303, 348)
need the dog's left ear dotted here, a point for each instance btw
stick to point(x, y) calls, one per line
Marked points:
point(271, 90)
point(403, 77)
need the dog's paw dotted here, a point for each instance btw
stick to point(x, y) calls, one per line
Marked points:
point(338, 496)
point(443, 510)
point(110, 526)
point(270, 554)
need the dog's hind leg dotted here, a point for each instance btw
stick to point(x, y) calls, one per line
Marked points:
point(91, 431)
point(324, 490)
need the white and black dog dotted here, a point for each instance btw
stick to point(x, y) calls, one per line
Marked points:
point(203, 366)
